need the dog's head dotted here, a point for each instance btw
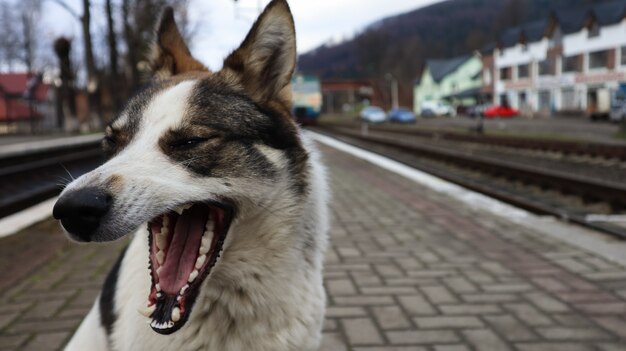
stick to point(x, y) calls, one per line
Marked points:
point(191, 154)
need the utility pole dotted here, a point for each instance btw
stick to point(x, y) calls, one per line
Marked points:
point(394, 90)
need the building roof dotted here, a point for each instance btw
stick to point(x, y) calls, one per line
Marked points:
point(488, 48)
point(16, 84)
point(534, 31)
point(441, 68)
point(510, 37)
point(571, 21)
point(610, 12)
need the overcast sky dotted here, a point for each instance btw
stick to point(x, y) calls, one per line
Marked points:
point(222, 25)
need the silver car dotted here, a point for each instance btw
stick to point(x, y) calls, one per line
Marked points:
point(373, 114)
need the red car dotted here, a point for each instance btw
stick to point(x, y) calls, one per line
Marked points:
point(501, 111)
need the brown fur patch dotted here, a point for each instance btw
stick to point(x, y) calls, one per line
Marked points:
point(170, 54)
point(115, 183)
point(265, 61)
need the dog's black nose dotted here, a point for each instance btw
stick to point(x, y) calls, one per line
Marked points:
point(80, 211)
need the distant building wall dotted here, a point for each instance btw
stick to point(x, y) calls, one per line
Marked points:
point(465, 77)
point(575, 72)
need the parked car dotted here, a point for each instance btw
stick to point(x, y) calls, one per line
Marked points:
point(618, 113)
point(500, 111)
point(373, 114)
point(437, 108)
point(401, 115)
point(618, 105)
point(477, 110)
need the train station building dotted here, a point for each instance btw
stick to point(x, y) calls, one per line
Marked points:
point(570, 63)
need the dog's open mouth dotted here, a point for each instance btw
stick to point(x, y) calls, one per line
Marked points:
point(184, 246)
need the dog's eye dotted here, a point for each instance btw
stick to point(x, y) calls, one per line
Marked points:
point(187, 143)
point(110, 141)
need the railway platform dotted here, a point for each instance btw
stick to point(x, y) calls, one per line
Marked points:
point(414, 263)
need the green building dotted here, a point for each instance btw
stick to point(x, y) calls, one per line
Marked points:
point(455, 81)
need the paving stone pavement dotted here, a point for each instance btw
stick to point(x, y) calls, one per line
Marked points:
point(407, 269)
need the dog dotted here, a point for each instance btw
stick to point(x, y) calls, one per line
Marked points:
point(227, 200)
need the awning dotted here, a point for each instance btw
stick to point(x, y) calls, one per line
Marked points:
point(469, 93)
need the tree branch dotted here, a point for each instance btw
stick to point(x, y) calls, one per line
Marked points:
point(67, 7)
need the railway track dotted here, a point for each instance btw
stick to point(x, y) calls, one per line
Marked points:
point(549, 191)
point(592, 149)
point(31, 175)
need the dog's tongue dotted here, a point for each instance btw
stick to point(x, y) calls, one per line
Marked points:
point(183, 249)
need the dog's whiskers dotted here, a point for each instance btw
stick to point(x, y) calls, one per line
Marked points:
point(68, 172)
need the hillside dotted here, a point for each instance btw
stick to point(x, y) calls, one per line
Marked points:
point(401, 44)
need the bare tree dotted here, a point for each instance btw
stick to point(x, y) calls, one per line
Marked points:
point(90, 64)
point(139, 19)
point(65, 100)
point(114, 81)
point(10, 38)
point(30, 16)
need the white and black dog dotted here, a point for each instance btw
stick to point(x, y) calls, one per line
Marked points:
point(226, 198)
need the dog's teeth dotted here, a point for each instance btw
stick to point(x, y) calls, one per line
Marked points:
point(161, 241)
point(176, 314)
point(184, 288)
point(205, 245)
point(159, 270)
point(158, 294)
point(200, 261)
point(179, 298)
point(193, 275)
point(181, 209)
point(170, 324)
point(158, 287)
point(166, 221)
point(147, 311)
point(160, 256)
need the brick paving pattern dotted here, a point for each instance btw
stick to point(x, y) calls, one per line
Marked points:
point(407, 269)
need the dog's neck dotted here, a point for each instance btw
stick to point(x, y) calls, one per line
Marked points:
point(262, 266)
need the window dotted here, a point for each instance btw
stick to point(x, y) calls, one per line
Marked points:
point(594, 31)
point(570, 64)
point(545, 68)
point(568, 99)
point(599, 59)
point(623, 56)
point(523, 71)
point(505, 73)
point(522, 101)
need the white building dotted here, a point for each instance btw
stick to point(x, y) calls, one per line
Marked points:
point(571, 62)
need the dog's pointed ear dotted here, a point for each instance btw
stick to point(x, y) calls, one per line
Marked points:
point(170, 54)
point(265, 61)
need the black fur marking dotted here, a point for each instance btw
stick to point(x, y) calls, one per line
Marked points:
point(238, 123)
point(134, 108)
point(107, 297)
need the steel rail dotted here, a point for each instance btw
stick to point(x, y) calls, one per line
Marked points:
point(613, 193)
point(30, 176)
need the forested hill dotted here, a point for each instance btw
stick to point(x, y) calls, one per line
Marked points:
point(400, 44)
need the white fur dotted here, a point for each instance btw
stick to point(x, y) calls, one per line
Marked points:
point(265, 255)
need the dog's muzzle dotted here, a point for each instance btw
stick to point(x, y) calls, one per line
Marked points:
point(81, 211)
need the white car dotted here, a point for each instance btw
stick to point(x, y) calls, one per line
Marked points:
point(373, 114)
point(437, 108)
